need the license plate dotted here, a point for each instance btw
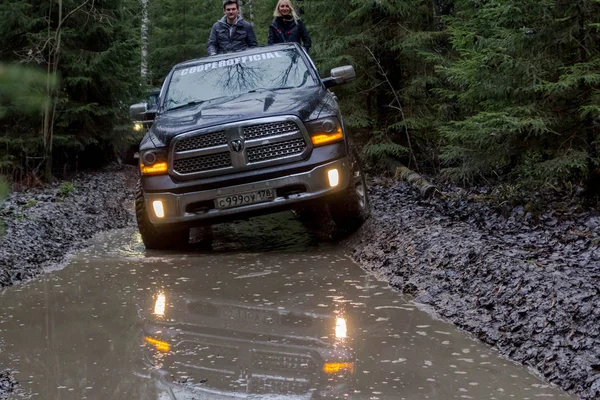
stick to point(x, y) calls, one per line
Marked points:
point(240, 314)
point(243, 199)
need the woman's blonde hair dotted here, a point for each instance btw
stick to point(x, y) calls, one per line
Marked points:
point(289, 3)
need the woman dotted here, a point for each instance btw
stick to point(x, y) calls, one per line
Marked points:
point(287, 27)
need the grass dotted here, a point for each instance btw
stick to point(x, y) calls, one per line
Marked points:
point(66, 189)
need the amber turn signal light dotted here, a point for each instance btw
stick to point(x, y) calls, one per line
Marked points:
point(334, 368)
point(325, 138)
point(158, 344)
point(154, 169)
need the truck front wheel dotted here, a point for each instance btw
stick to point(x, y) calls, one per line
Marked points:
point(351, 207)
point(157, 238)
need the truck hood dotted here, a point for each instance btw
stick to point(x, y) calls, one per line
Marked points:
point(307, 104)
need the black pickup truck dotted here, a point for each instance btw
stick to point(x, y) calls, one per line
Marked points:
point(242, 134)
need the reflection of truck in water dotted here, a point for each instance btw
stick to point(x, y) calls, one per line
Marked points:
point(243, 134)
point(201, 348)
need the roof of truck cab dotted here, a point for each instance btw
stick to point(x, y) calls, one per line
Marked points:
point(251, 51)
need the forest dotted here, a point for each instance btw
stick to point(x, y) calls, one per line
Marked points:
point(493, 91)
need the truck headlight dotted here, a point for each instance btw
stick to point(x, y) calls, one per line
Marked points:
point(154, 162)
point(138, 126)
point(325, 131)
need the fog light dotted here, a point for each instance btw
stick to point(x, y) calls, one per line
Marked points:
point(138, 127)
point(334, 177)
point(160, 304)
point(158, 209)
point(340, 328)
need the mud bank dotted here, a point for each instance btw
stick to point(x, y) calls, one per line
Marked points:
point(42, 225)
point(527, 284)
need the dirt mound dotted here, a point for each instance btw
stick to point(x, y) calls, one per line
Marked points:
point(526, 283)
point(44, 224)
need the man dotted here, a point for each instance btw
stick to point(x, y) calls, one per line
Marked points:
point(230, 33)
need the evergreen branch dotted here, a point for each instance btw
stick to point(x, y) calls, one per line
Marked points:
point(399, 108)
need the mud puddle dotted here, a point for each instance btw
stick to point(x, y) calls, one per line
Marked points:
point(263, 315)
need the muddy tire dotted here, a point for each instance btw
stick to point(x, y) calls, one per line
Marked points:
point(350, 208)
point(157, 238)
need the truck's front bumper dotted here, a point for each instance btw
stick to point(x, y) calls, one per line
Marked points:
point(198, 208)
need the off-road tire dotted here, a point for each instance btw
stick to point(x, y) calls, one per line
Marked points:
point(350, 208)
point(157, 238)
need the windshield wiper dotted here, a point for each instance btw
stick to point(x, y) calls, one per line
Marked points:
point(190, 104)
point(271, 89)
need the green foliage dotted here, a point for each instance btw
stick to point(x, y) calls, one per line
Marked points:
point(21, 90)
point(507, 89)
point(99, 69)
point(66, 189)
point(30, 203)
point(524, 88)
point(179, 32)
point(4, 188)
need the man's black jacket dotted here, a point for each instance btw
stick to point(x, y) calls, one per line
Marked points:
point(225, 38)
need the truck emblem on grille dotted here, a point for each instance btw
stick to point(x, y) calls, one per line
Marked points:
point(237, 145)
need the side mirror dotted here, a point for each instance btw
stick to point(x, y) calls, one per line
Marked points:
point(340, 75)
point(137, 112)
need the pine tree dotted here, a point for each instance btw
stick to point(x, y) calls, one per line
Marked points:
point(179, 31)
point(524, 88)
point(94, 48)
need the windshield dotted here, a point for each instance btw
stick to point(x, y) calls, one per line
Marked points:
point(274, 70)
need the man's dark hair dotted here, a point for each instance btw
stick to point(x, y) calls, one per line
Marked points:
point(228, 2)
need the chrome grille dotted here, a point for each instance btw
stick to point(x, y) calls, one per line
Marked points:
point(264, 142)
point(202, 163)
point(202, 141)
point(276, 150)
point(282, 362)
point(263, 385)
point(270, 129)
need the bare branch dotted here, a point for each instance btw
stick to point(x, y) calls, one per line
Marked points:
point(399, 107)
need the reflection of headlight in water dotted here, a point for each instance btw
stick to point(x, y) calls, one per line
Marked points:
point(340, 328)
point(159, 306)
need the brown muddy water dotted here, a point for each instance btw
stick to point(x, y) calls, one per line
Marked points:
point(269, 313)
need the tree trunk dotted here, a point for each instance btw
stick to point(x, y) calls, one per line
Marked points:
point(50, 109)
point(49, 115)
point(426, 188)
point(251, 11)
point(144, 40)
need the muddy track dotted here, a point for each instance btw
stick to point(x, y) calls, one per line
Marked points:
point(529, 285)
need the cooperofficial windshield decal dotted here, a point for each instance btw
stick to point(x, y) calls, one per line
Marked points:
point(229, 62)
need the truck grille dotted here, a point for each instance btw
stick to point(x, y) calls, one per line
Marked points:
point(264, 371)
point(202, 163)
point(282, 362)
point(276, 150)
point(270, 129)
point(202, 141)
point(240, 146)
point(264, 385)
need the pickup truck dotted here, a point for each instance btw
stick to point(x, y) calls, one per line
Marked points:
point(242, 134)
